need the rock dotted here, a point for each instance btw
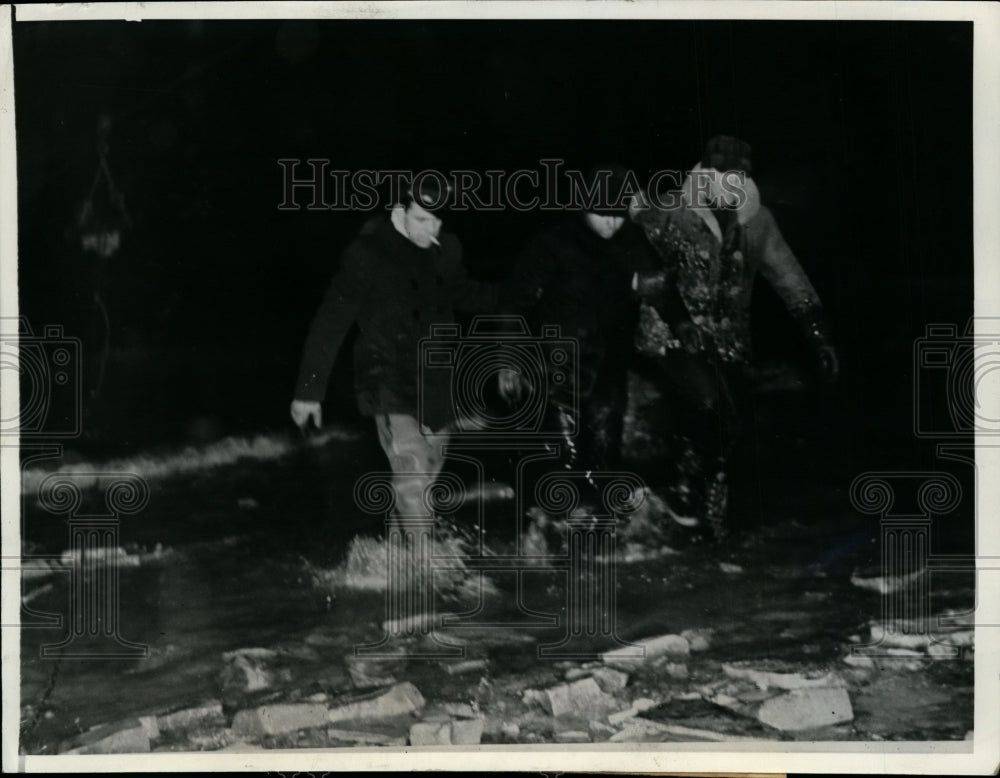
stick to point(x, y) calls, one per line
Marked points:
point(398, 700)
point(189, 718)
point(250, 653)
point(729, 568)
point(609, 680)
point(366, 676)
point(278, 719)
point(420, 622)
point(460, 710)
point(583, 698)
point(365, 738)
point(676, 670)
point(430, 733)
point(241, 746)
point(245, 674)
point(572, 736)
point(462, 732)
point(125, 737)
point(150, 725)
point(322, 640)
point(806, 709)
point(645, 650)
point(640, 731)
point(698, 639)
point(576, 673)
point(510, 729)
point(317, 697)
point(467, 666)
point(697, 734)
point(859, 660)
point(638, 706)
point(467, 732)
point(766, 680)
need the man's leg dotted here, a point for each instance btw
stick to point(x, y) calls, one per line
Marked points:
point(416, 456)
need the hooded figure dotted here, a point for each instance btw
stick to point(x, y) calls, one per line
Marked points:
point(713, 240)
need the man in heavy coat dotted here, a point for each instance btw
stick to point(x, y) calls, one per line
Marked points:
point(579, 275)
point(401, 276)
point(712, 241)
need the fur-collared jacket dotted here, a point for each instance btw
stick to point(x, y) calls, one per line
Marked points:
point(713, 258)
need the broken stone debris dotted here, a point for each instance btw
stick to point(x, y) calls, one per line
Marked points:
point(466, 666)
point(609, 680)
point(364, 738)
point(461, 732)
point(189, 718)
point(279, 719)
point(583, 698)
point(766, 680)
point(802, 709)
point(401, 699)
point(645, 650)
point(125, 737)
point(698, 639)
point(572, 736)
point(637, 707)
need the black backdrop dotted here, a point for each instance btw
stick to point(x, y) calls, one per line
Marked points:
point(861, 131)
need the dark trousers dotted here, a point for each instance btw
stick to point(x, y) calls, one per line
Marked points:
point(711, 421)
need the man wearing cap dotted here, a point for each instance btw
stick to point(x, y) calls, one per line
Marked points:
point(579, 275)
point(713, 240)
point(399, 277)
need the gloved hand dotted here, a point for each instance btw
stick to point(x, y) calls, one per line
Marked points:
point(827, 363)
point(511, 385)
point(690, 337)
point(304, 410)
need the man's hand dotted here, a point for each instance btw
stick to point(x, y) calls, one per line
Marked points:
point(690, 337)
point(829, 365)
point(511, 385)
point(303, 411)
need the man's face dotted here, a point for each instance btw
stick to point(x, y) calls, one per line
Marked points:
point(603, 225)
point(422, 226)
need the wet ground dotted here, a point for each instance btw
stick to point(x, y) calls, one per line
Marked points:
point(250, 578)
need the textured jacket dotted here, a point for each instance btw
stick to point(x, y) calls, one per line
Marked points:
point(394, 291)
point(714, 266)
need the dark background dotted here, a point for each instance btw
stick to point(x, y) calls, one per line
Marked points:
point(862, 147)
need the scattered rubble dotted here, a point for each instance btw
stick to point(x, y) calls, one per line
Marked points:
point(278, 719)
point(645, 650)
point(398, 700)
point(125, 737)
point(203, 715)
point(802, 709)
point(766, 680)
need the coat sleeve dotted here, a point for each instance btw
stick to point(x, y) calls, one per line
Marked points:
point(783, 271)
point(338, 311)
point(471, 296)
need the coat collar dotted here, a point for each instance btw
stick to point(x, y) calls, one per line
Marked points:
point(744, 213)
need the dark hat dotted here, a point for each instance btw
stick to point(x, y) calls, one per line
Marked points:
point(609, 181)
point(431, 192)
point(724, 152)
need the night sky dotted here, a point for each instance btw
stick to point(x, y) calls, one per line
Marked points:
point(861, 135)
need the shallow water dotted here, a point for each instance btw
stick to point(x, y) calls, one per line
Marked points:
point(255, 553)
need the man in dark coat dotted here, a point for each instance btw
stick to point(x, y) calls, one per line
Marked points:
point(579, 275)
point(712, 244)
point(400, 277)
